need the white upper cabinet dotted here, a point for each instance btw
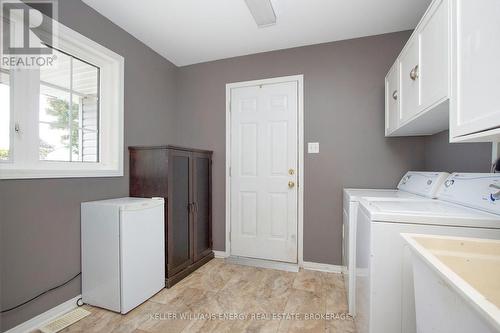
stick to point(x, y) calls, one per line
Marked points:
point(475, 100)
point(448, 76)
point(392, 100)
point(423, 71)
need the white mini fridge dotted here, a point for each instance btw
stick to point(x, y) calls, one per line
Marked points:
point(123, 252)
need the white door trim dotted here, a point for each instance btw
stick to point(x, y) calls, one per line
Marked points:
point(300, 138)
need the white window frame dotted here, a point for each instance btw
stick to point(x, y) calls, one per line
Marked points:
point(24, 160)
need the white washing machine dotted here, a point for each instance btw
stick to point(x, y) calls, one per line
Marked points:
point(466, 206)
point(414, 185)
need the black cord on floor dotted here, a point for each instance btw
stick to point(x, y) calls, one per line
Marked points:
point(43, 293)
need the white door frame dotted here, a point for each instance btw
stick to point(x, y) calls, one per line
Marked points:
point(300, 145)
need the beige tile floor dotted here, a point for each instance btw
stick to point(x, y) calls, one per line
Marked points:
point(224, 289)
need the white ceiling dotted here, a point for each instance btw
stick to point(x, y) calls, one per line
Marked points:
point(192, 31)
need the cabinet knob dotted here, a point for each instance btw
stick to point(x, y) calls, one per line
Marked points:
point(395, 95)
point(414, 73)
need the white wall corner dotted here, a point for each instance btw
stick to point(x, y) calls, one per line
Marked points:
point(220, 254)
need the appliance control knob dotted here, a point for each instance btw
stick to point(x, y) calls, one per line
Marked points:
point(495, 196)
point(449, 182)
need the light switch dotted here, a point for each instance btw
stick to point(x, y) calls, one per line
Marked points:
point(313, 147)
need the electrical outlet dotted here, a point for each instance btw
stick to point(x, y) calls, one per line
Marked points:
point(313, 147)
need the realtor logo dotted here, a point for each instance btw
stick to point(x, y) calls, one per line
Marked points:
point(27, 30)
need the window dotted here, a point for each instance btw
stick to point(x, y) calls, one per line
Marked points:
point(64, 120)
point(69, 111)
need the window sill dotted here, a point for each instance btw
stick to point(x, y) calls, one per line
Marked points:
point(74, 173)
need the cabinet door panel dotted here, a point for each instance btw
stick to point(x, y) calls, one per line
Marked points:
point(179, 217)
point(392, 99)
point(147, 173)
point(433, 67)
point(409, 88)
point(475, 105)
point(202, 199)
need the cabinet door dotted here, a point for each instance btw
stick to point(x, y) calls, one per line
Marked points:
point(391, 100)
point(179, 254)
point(434, 64)
point(409, 82)
point(475, 106)
point(143, 233)
point(202, 199)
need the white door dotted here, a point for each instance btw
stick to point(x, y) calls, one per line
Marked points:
point(142, 255)
point(475, 105)
point(409, 83)
point(264, 146)
point(433, 69)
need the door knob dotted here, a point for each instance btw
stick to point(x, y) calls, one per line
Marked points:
point(291, 184)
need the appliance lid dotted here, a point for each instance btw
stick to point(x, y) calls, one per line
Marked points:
point(433, 212)
point(475, 190)
point(427, 208)
point(422, 183)
point(355, 194)
point(129, 203)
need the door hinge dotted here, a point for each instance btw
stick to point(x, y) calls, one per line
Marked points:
point(230, 172)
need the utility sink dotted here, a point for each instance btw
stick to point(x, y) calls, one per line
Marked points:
point(457, 283)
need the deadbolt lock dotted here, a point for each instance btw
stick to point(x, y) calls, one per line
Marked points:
point(291, 172)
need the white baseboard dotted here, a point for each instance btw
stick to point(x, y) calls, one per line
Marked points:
point(45, 317)
point(220, 254)
point(284, 266)
point(314, 266)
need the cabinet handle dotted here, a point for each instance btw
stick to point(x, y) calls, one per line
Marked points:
point(192, 207)
point(395, 95)
point(414, 73)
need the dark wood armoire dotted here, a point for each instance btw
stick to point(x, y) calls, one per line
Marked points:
point(183, 177)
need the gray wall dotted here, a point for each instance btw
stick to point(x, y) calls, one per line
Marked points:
point(40, 219)
point(344, 111)
point(440, 155)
